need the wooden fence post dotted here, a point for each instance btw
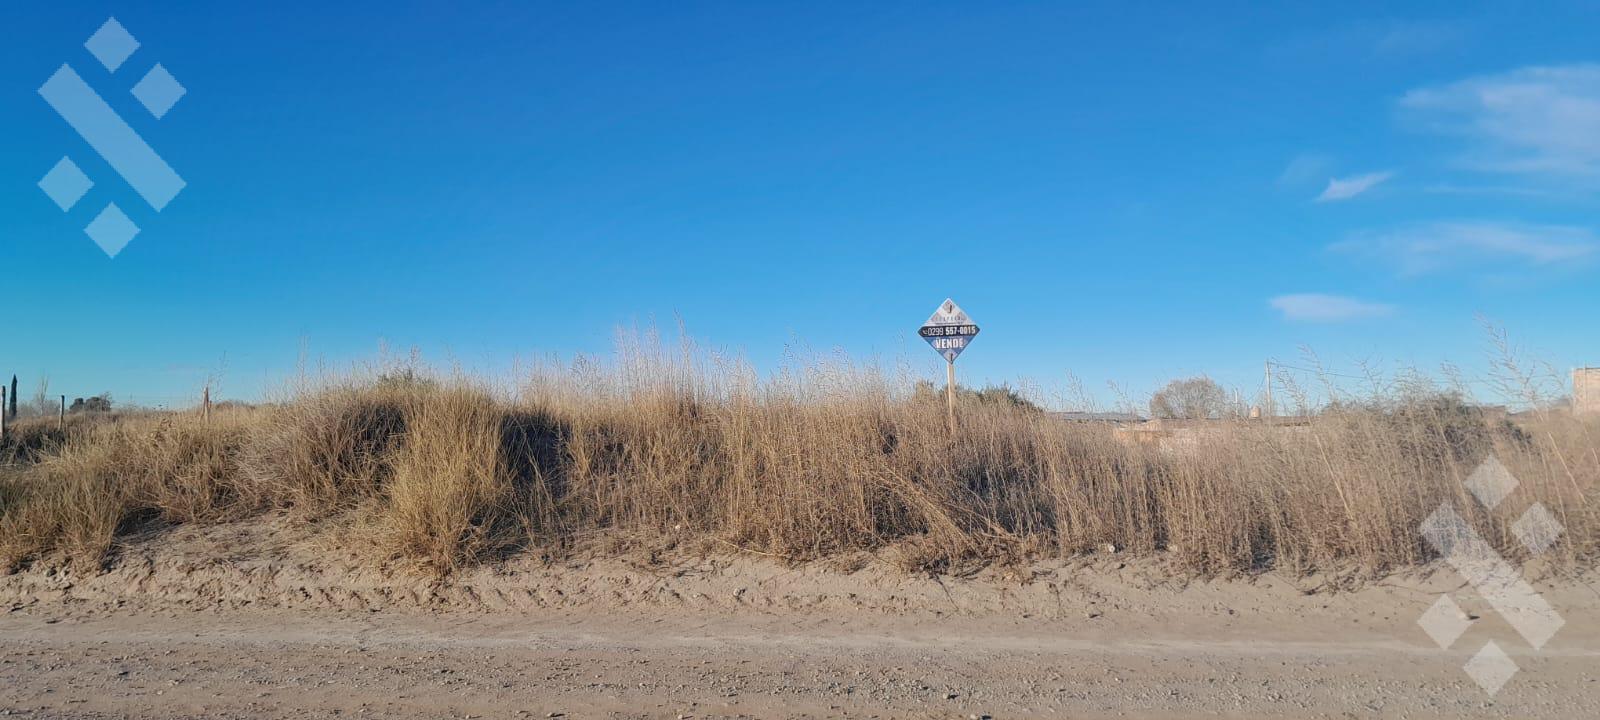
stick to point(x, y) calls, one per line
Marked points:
point(61, 420)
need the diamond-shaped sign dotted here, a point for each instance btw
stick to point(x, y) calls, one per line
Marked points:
point(949, 330)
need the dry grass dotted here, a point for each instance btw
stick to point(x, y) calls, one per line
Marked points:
point(678, 449)
point(105, 475)
point(326, 450)
point(451, 497)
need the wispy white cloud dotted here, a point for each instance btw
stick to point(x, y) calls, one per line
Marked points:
point(1418, 37)
point(1304, 169)
point(1346, 188)
point(1491, 190)
point(1535, 120)
point(1432, 247)
point(1373, 40)
point(1317, 307)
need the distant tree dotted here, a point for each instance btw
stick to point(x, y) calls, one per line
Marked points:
point(1195, 398)
point(1005, 395)
point(405, 377)
point(41, 405)
point(1002, 395)
point(99, 403)
point(1457, 429)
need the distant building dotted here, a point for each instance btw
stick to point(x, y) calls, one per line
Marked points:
point(1586, 391)
point(1493, 412)
point(1101, 417)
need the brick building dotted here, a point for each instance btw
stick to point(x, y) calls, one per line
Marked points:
point(1586, 391)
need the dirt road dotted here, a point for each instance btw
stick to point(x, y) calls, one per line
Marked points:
point(271, 664)
point(182, 628)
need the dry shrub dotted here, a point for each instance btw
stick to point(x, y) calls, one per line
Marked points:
point(445, 472)
point(1354, 486)
point(28, 441)
point(833, 458)
point(325, 450)
point(113, 475)
point(450, 496)
point(666, 448)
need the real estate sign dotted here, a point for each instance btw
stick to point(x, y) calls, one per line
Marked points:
point(949, 330)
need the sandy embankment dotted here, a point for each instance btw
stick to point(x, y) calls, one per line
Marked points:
point(246, 620)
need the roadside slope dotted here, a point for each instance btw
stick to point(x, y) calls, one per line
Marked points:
point(246, 620)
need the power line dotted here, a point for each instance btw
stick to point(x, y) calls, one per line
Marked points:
point(1369, 378)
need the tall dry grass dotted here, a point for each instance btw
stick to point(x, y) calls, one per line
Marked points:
point(674, 447)
point(104, 476)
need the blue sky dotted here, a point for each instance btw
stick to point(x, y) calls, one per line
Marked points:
point(1125, 192)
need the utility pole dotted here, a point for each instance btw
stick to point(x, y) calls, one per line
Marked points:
point(1270, 410)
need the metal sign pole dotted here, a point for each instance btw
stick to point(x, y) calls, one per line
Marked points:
point(950, 391)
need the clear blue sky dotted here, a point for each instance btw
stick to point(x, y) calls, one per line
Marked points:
point(1127, 192)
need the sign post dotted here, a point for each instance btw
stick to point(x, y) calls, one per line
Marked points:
point(950, 391)
point(949, 331)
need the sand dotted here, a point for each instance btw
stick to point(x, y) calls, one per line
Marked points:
point(255, 620)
